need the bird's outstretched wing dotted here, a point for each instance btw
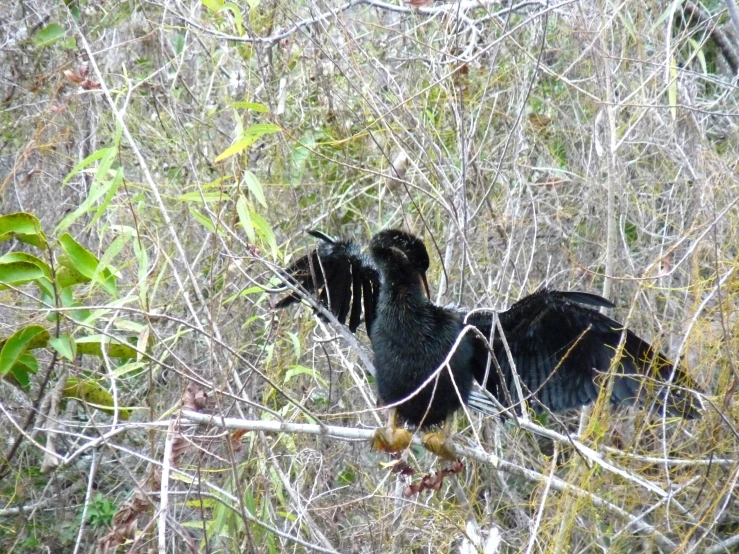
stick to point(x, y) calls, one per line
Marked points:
point(562, 351)
point(341, 276)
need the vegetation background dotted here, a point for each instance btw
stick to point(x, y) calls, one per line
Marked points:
point(588, 145)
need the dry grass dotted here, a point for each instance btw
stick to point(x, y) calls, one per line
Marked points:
point(587, 145)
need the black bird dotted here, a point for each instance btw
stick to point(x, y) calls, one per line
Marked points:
point(559, 347)
point(391, 283)
point(412, 338)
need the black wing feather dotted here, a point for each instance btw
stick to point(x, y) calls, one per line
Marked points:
point(562, 350)
point(344, 294)
point(356, 314)
point(340, 275)
point(369, 294)
point(300, 272)
point(586, 298)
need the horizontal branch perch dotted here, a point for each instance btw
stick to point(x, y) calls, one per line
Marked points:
point(343, 433)
point(349, 434)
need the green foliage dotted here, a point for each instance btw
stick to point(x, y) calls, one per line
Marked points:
point(14, 357)
point(94, 395)
point(296, 370)
point(77, 266)
point(81, 260)
point(249, 137)
point(254, 106)
point(347, 476)
point(631, 232)
point(100, 512)
point(558, 149)
point(48, 35)
point(24, 227)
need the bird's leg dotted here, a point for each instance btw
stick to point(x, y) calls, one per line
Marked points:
point(391, 438)
point(440, 443)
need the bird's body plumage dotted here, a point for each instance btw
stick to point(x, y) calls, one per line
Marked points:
point(411, 338)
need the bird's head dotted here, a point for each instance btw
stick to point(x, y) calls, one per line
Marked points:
point(401, 253)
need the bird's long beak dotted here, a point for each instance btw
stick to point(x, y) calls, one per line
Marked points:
point(425, 284)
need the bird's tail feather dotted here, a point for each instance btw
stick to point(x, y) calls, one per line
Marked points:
point(647, 375)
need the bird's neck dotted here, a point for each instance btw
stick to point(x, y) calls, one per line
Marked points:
point(401, 294)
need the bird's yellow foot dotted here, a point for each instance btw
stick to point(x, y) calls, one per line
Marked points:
point(391, 439)
point(440, 444)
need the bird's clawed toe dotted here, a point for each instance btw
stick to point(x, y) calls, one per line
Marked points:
point(391, 439)
point(440, 444)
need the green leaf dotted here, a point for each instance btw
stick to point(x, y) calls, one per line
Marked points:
point(94, 345)
point(115, 183)
point(49, 34)
point(40, 340)
point(558, 149)
point(237, 147)
point(142, 262)
point(251, 106)
point(20, 374)
point(47, 290)
point(92, 394)
point(204, 221)
point(83, 315)
point(213, 5)
point(85, 263)
point(143, 342)
point(631, 232)
point(300, 155)
point(100, 186)
point(112, 251)
point(64, 345)
point(260, 129)
point(199, 197)
point(236, 13)
point(251, 290)
point(347, 476)
point(246, 292)
point(95, 156)
point(255, 187)
point(218, 183)
point(16, 346)
point(29, 362)
point(78, 256)
point(128, 325)
point(296, 370)
point(28, 258)
point(249, 502)
point(265, 231)
point(135, 368)
point(250, 136)
point(242, 208)
point(700, 53)
point(17, 273)
point(24, 227)
point(67, 275)
point(296, 343)
point(628, 24)
point(665, 14)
